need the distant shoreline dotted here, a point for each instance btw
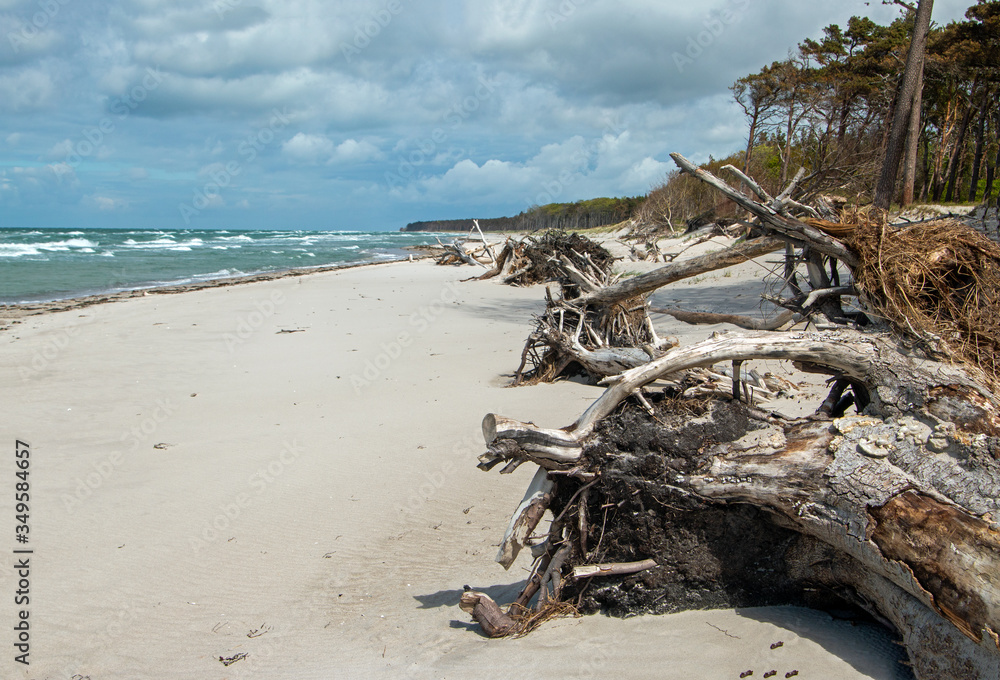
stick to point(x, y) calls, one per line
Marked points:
point(14, 311)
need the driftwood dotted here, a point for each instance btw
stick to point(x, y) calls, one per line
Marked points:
point(661, 502)
point(595, 312)
point(897, 502)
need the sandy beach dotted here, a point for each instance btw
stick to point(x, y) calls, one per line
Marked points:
point(280, 476)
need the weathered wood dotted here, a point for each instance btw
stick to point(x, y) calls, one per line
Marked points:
point(951, 554)
point(747, 322)
point(671, 273)
point(613, 569)
point(536, 500)
point(750, 182)
point(787, 226)
point(486, 244)
point(864, 358)
point(486, 612)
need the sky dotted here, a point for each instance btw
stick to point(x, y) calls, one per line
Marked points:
point(369, 114)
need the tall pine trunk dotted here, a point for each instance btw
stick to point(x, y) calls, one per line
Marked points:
point(956, 156)
point(913, 141)
point(977, 157)
point(901, 116)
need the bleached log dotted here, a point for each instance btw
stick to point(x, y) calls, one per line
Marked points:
point(604, 360)
point(867, 359)
point(862, 488)
point(458, 249)
point(787, 226)
point(526, 517)
point(792, 186)
point(486, 244)
point(750, 182)
point(671, 273)
point(746, 322)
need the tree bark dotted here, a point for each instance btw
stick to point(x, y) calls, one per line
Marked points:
point(786, 226)
point(894, 380)
point(886, 187)
point(749, 323)
point(977, 156)
point(956, 156)
point(671, 273)
point(894, 508)
point(913, 141)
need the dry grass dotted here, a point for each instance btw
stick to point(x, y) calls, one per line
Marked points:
point(938, 281)
point(527, 620)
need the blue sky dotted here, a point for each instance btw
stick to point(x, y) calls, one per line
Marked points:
point(368, 114)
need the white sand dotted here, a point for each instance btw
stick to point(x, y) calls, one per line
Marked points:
point(332, 515)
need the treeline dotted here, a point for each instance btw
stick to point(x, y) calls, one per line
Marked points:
point(596, 212)
point(829, 108)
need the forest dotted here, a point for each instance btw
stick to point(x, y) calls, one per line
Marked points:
point(595, 212)
point(830, 105)
point(829, 108)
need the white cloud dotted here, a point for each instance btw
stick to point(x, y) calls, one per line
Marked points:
point(308, 149)
point(58, 151)
point(26, 89)
point(351, 150)
point(106, 203)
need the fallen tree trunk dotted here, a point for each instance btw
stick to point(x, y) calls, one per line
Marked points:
point(746, 322)
point(782, 224)
point(890, 510)
point(671, 273)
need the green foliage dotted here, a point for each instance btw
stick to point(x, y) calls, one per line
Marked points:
point(621, 207)
point(828, 107)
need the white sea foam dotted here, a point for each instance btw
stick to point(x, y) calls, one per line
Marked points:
point(66, 245)
point(18, 250)
point(163, 243)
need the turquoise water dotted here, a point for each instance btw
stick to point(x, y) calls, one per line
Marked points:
point(53, 264)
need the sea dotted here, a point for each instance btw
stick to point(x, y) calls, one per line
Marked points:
point(39, 265)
